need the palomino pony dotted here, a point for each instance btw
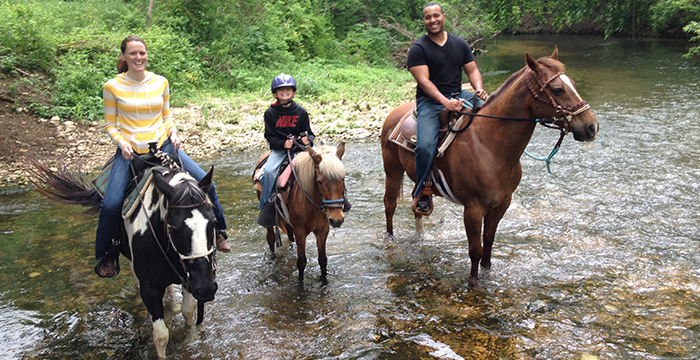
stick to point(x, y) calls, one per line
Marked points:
point(169, 238)
point(482, 166)
point(314, 202)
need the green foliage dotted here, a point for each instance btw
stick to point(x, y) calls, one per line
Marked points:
point(24, 43)
point(367, 44)
point(336, 49)
point(671, 15)
point(694, 28)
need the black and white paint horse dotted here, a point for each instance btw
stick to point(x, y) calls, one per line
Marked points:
point(170, 238)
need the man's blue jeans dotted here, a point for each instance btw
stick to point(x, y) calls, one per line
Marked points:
point(428, 128)
point(272, 167)
point(119, 177)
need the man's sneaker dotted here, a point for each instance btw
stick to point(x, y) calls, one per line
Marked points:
point(221, 243)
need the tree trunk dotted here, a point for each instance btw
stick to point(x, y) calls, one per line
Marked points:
point(148, 14)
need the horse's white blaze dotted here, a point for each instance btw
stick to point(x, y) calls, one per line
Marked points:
point(160, 336)
point(568, 82)
point(198, 224)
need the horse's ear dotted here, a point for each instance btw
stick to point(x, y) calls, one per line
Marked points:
point(555, 54)
point(206, 182)
point(163, 185)
point(532, 63)
point(316, 157)
point(340, 150)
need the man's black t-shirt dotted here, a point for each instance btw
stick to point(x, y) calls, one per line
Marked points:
point(281, 121)
point(445, 63)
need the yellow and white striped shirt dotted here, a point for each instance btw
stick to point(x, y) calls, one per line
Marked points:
point(141, 109)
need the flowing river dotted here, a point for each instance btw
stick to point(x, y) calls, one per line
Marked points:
point(600, 259)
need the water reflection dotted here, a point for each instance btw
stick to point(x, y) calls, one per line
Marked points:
point(599, 259)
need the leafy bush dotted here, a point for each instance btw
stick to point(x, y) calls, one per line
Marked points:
point(367, 44)
point(24, 42)
point(694, 28)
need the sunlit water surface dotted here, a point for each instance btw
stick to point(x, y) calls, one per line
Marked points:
point(598, 259)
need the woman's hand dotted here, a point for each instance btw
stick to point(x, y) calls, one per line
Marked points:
point(305, 140)
point(127, 152)
point(175, 140)
point(288, 144)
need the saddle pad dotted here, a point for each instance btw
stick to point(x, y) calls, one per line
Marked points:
point(284, 176)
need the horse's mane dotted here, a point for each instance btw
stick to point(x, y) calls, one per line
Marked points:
point(330, 166)
point(546, 61)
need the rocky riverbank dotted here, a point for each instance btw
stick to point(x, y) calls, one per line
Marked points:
point(206, 131)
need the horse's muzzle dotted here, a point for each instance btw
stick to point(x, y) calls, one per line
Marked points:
point(587, 133)
point(336, 223)
point(205, 293)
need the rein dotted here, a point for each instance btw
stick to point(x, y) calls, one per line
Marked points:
point(567, 114)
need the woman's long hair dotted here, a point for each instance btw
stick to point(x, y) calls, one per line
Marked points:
point(122, 67)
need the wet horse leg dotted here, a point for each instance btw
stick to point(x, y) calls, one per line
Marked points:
point(491, 221)
point(189, 304)
point(153, 299)
point(321, 237)
point(392, 189)
point(271, 240)
point(472, 224)
point(301, 252)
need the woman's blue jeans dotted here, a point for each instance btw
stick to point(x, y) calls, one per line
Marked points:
point(272, 167)
point(119, 177)
point(427, 131)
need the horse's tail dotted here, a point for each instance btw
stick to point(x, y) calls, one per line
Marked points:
point(63, 185)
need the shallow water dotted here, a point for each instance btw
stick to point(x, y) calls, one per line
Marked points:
point(600, 258)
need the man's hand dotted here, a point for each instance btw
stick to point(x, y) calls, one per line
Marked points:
point(454, 105)
point(305, 140)
point(288, 144)
point(482, 94)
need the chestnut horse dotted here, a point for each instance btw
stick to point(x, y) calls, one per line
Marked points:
point(314, 202)
point(482, 166)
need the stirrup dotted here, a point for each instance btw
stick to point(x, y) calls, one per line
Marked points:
point(426, 192)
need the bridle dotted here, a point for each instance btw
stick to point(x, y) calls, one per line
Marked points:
point(567, 113)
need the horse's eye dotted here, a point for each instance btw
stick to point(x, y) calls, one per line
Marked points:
point(558, 92)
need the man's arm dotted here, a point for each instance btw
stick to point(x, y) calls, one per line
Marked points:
point(475, 79)
point(422, 75)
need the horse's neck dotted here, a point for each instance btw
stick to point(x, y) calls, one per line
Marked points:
point(508, 136)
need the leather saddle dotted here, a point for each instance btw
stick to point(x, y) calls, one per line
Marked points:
point(404, 134)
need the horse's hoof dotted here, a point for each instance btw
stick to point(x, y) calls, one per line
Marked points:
point(486, 265)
